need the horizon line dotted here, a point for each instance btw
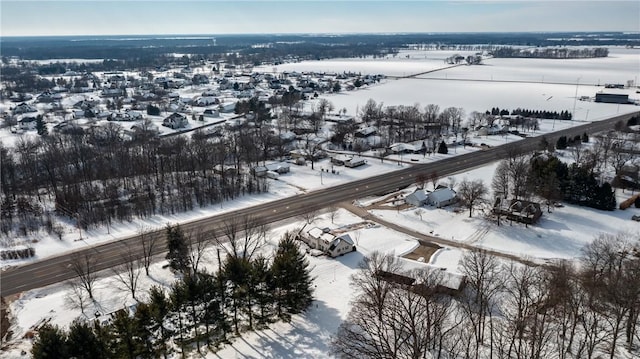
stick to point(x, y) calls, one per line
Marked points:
point(330, 33)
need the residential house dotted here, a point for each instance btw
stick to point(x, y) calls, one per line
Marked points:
point(211, 113)
point(518, 210)
point(418, 198)
point(323, 240)
point(341, 245)
point(27, 123)
point(450, 283)
point(441, 197)
point(24, 108)
point(403, 148)
point(366, 132)
point(279, 168)
point(175, 120)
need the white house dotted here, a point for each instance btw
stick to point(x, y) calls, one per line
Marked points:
point(279, 168)
point(27, 123)
point(175, 120)
point(341, 245)
point(441, 197)
point(211, 113)
point(330, 244)
point(417, 198)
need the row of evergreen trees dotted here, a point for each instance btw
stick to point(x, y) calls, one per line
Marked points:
point(201, 309)
point(575, 183)
point(552, 115)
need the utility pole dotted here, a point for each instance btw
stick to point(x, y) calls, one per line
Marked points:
point(575, 98)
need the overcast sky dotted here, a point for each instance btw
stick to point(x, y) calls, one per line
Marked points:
point(134, 17)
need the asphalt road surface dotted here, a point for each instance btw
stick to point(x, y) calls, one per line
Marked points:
point(58, 269)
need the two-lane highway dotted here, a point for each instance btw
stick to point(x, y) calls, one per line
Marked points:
point(57, 269)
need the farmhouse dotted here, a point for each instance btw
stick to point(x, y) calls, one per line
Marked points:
point(328, 243)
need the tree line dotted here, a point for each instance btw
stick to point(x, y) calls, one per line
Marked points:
point(101, 175)
point(554, 115)
point(551, 53)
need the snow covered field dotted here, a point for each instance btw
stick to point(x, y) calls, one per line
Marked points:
point(560, 234)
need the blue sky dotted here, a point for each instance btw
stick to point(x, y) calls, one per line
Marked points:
point(99, 17)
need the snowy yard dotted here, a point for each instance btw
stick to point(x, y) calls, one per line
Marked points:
point(560, 234)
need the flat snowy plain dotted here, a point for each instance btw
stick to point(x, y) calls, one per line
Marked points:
point(560, 234)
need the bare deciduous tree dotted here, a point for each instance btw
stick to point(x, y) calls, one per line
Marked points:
point(84, 267)
point(244, 236)
point(485, 280)
point(149, 242)
point(471, 193)
point(128, 273)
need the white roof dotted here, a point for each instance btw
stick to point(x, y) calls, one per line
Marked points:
point(442, 194)
point(419, 194)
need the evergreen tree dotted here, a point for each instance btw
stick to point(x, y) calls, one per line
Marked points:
point(144, 330)
point(178, 254)
point(126, 343)
point(442, 148)
point(263, 286)
point(585, 138)
point(605, 198)
point(293, 291)
point(41, 127)
point(237, 271)
point(561, 144)
point(159, 309)
point(214, 317)
point(83, 342)
point(153, 110)
point(51, 342)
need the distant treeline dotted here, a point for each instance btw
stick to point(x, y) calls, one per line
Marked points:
point(551, 53)
point(552, 115)
point(322, 46)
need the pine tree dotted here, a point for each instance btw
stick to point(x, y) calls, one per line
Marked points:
point(293, 291)
point(561, 144)
point(41, 127)
point(159, 309)
point(83, 342)
point(50, 343)
point(585, 138)
point(126, 343)
point(443, 148)
point(236, 273)
point(262, 289)
point(178, 254)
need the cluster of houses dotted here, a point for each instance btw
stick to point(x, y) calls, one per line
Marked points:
point(180, 94)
